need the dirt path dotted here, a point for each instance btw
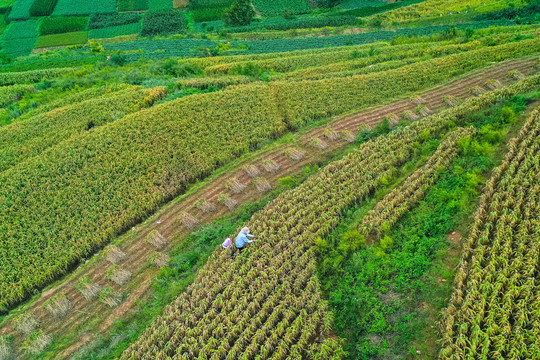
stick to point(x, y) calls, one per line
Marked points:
point(168, 221)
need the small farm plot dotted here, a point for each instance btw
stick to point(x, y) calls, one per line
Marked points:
point(132, 5)
point(208, 10)
point(84, 7)
point(19, 38)
point(113, 31)
point(60, 25)
point(160, 4)
point(72, 38)
point(21, 10)
point(278, 7)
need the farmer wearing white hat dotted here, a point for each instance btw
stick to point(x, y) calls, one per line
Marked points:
point(242, 239)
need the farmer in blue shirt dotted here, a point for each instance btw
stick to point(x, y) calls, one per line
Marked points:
point(241, 240)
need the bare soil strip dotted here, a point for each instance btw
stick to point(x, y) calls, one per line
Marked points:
point(168, 221)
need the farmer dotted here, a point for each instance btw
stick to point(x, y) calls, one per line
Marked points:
point(242, 239)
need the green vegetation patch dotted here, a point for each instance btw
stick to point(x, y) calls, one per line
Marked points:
point(113, 31)
point(98, 21)
point(378, 292)
point(42, 7)
point(21, 10)
point(73, 38)
point(278, 7)
point(208, 10)
point(163, 22)
point(160, 4)
point(84, 7)
point(132, 5)
point(64, 24)
point(19, 38)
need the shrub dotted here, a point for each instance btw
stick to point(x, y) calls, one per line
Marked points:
point(42, 7)
point(240, 13)
point(60, 25)
point(163, 22)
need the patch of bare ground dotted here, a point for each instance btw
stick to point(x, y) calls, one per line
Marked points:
point(88, 319)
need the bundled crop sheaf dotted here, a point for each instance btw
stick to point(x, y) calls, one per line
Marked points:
point(267, 303)
point(104, 181)
point(493, 311)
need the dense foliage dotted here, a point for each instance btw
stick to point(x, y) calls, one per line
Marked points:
point(21, 10)
point(10, 78)
point(208, 10)
point(163, 22)
point(492, 309)
point(19, 38)
point(59, 25)
point(240, 13)
point(42, 7)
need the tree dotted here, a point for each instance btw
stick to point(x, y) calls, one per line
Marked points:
point(240, 13)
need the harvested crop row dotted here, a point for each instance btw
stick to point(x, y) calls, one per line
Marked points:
point(104, 181)
point(254, 302)
point(25, 139)
point(493, 311)
point(394, 205)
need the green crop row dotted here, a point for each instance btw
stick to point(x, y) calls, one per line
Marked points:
point(106, 180)
point(25, 139)
point(29, 65)
point(113, 31)
point(10, 78)
point(60, 25)
point(98, 21)
point(217, 82)
point(84, 7)
point(154, 5)
point(72, 38)
point(42, 7)
point(19, 38)
point(278, 7)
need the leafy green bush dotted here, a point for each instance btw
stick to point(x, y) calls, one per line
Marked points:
point(42, 7)
point(132, 5)
point(79, 37)
point(64, 24)
point(240, 13)
point(163, 22)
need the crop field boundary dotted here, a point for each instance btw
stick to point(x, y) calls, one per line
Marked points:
point(170, 220)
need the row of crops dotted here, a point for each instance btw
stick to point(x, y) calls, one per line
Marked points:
point(493, 311)
point(400, 200)
point(107, 179)
point(135, 50)
point(267, 303)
